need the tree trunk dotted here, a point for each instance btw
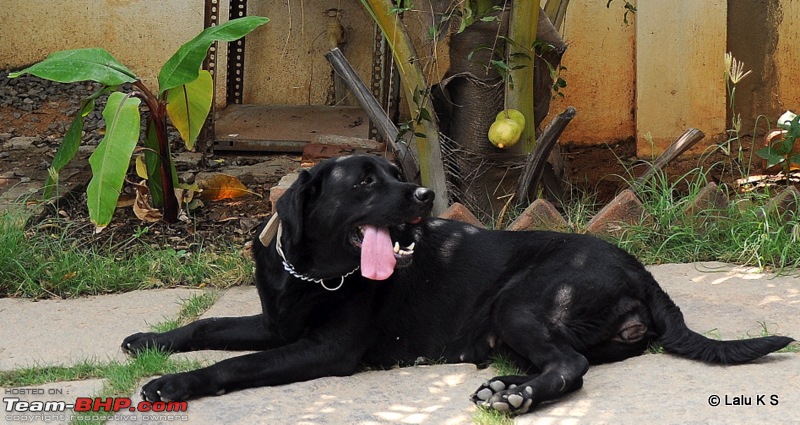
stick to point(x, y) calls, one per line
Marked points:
point(480, 175)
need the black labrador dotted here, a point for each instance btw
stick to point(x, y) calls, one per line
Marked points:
point(358, 276)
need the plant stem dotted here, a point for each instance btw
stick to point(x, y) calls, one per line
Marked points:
point(158, 117)
point(523, 27)
point(431, 165)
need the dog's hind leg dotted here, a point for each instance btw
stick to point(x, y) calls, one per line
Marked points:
point(217, 333)
point(561, 368)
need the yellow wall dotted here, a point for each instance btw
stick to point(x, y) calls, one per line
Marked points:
point(680, 68)
point(659, 74)
point(142, 34)
point(787, 56)
point(600, 73)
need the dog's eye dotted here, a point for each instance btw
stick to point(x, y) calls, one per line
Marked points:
point(368, 181)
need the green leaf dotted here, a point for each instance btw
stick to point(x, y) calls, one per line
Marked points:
point(785, 146)
point(793, 129)
point(795, 159)
point(110, 160)
point(152, 162)
point(183, 66)
point(188, 106)
point(425, 114)
point(69, 66)
point(66, 151)
point(771, 156)
point(70, 143)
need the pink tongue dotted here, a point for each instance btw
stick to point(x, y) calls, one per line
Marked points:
point(377, 255)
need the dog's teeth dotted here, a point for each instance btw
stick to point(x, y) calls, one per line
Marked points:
point(397, 247)
point(411, 247)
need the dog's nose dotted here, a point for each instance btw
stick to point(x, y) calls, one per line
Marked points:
point(424, 195)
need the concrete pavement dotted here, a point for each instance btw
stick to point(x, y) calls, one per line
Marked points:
point(716, 298)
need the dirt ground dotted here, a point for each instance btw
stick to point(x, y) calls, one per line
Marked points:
point(599, 171)
point(228, 221)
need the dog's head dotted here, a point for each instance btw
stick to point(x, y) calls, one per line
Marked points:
point(351, 211)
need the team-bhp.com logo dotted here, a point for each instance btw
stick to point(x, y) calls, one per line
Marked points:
point(20, 410)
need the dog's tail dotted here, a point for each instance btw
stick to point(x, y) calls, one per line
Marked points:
point(677, 338)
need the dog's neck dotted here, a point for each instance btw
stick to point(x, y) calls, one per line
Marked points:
point(274, 229)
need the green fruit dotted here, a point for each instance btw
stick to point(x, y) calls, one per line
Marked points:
point(504, 133)
point(514, 115)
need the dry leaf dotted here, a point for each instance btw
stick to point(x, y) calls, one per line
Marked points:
point(223, 186)
point(125, 201)
point(142, 208)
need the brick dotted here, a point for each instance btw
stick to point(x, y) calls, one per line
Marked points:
point(329, 146)
point(316, 152)
point(540, 215)
point(459, 212)
point(276, 191)
point(626, 208)
point(785, 204)
point(710, 203)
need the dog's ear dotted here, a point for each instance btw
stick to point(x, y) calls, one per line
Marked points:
point(291, 204)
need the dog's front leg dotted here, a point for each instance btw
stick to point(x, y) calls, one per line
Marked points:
point(217, 333)
point(300, 361)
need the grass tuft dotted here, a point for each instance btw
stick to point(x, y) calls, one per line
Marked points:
point(43, 261)
point(122, 377)
point(484, 416)
point(192, 308)
point(745, 232)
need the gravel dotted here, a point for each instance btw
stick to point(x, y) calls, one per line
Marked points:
point(28, 94)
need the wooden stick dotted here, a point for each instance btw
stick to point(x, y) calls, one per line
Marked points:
point(534, 164)
point(375, 113)
point(688, 139)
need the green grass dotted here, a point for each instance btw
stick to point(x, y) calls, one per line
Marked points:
point(746, 232)
point(484, 416)
point(122, 377)
point(45, 261)
point(191, 309)
point(505, 366)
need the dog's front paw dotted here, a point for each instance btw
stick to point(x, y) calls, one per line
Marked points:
point(138, 342)
point(505, 394)
point(174, 387)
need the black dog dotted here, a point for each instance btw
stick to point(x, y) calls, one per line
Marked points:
point(357, 276)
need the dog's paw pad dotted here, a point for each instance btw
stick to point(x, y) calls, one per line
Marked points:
point(501, 406)
point(484, 394)
point(516, 400)
point(497, 385)
point(499, 396)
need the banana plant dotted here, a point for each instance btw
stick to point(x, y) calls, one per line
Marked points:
point(185, 93)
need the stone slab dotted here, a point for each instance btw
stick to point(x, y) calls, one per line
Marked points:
point(663, 389)
point(716, 298)
point(234, 302)
point(414, 395)
point(729, 301)
point(64, 332)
